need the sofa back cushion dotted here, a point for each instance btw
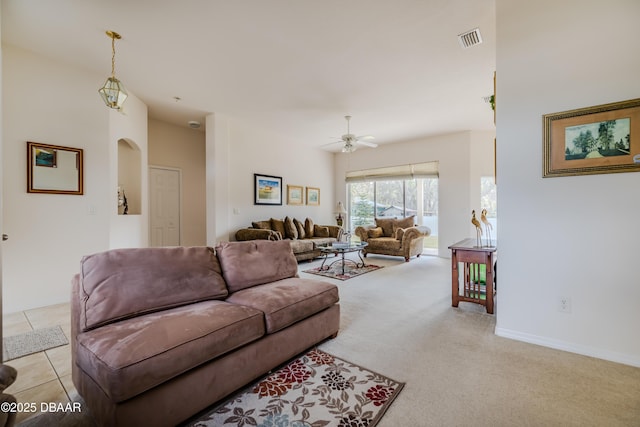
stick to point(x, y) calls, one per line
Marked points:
point(251, 263)
point(290, 230)
point(123, 283)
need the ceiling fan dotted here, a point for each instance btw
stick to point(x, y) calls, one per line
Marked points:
point(351, 141)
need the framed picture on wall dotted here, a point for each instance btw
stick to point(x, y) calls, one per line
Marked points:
point(593, 140)
point(267, 189)
point(313, 196)
point(295, 195)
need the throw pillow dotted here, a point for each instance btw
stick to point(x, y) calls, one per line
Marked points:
point(278, 225)
point(263, 225)
point(387, 226)
point(375, 233)
point(300, 228)
point(407, 222)
point(399, 233)
point(290, 230)
point(320, 231)
point(308, 227)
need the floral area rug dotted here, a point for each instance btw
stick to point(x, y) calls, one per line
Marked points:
point(314, 390)
point(350, 271)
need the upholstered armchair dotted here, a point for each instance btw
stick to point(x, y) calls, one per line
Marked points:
point(395, 237)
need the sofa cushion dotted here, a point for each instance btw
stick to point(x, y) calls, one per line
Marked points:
point(123, 283)
point(290, 230)
point(321, 231)
point(375, 232)
point(129, 357)
point(287, 301)
point(384, 243)
point(246, 264)
point(321, 241)
point(308, 227)
point(399, 233)
point(278, 225)
point(407, 222)
point(300, 228)
point(300, 246)
point(387, 226)
point(263, 225)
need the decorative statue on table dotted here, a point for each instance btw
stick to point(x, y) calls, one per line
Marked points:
point(476, 223)
point(487, 225)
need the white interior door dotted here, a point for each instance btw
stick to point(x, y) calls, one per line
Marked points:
point(164, 201)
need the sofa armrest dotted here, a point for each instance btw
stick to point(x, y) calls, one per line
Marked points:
point(412, 233)
point(257, 234)
point(362, 232)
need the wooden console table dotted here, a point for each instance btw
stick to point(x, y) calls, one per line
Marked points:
point(472, 256)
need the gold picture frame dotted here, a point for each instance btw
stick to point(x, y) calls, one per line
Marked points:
point(295, 195)
point(594, 140)
point(54, 169)
point(313, 196)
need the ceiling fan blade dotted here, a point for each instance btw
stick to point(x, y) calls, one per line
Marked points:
point(365, 137)
point(368, 144)
point(332, 143)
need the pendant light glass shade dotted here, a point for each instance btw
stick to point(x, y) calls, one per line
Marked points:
point(113, 92)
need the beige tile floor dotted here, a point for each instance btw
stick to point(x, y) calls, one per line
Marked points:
point(43, 376)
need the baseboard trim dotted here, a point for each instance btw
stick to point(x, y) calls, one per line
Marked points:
point(570, 347)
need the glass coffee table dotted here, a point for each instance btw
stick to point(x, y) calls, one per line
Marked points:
point(342, 249)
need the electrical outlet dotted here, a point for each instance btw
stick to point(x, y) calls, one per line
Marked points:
point(564, 305)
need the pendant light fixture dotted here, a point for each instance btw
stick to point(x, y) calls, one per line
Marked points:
point(113, 92)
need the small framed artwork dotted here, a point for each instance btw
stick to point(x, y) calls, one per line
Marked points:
point(267, 189)
point(295, 195)
point(313, 196)
point(593, 140)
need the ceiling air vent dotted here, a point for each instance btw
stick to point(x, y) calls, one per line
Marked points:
point(470, 38)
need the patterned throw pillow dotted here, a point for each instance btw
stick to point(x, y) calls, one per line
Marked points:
point(300, 228)
point(407, 222)
point(290, 230)
point(399, 233)
point(387, 226)
point(308, 227)
point(375, 233)
point(320, 231)
point(278, 225)
point(263, 225)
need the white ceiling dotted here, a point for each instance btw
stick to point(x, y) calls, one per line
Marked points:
point(293, 67)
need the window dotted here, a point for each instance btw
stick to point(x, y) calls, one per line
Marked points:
point(488, 201)
point(395, 192)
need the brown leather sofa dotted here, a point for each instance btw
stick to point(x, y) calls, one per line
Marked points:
point(159, 334)
point(305, 237)
point(395, 237)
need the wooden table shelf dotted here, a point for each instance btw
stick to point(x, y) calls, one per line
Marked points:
point(472, 257)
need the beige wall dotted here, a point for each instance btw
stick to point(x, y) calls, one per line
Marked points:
point(184, 149)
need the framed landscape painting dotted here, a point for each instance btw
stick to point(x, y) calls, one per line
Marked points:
point(267, 189)
point(295, 195)
point(594, 140)
point(313, 196)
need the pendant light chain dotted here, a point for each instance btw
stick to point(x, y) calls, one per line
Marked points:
point(113, 55)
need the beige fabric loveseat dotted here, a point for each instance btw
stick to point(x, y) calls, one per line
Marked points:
point(304, 237)
point(396, 237)
point(159, 334)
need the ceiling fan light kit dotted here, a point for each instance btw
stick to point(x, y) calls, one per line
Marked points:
point(351, 141)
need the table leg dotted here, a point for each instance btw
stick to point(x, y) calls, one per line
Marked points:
point(489, 284)
point(454, 279)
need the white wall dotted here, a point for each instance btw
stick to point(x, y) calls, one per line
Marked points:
point(250, 150)
point(463, 158)
point(50, 233)
point(576, 236)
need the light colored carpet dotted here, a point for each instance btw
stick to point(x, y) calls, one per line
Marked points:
point(399, 321)
point(32, 342)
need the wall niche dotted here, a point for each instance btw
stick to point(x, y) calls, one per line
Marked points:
point(129, 178)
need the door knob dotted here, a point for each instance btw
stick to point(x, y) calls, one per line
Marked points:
point(5, 237)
